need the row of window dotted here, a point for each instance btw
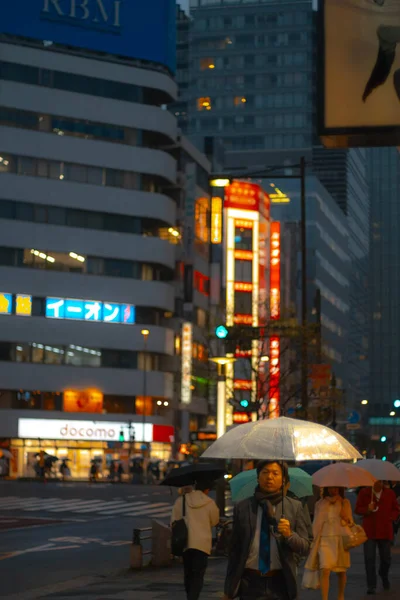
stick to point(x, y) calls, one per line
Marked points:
point(249, 40)
point(75, 263)
point(258, 142)
point(251, 101)
point(88, 130)
point(259, 81)
point(246, 61)
point(70, 217)
point(331, 297)
point(66, 171)
point(240, 21)
point(112, 403)
point(238, 122)
point(81, 84)
point(77, 356)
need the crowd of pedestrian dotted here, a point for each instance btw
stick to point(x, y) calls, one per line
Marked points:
point(272, 534)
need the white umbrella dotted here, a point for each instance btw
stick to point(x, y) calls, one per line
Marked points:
point(343, 475)
point(282, 439)
point(380, 469)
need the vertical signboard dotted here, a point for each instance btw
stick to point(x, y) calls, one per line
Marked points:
point(187, 349)
point(216, 220)
point(359, 78)
point(275, 313)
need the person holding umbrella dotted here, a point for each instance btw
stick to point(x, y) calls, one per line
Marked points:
point(379, 510)
point(269, 532)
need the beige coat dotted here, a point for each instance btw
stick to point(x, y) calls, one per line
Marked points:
point(201, 515)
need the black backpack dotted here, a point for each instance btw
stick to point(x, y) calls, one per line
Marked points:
point(179, 535)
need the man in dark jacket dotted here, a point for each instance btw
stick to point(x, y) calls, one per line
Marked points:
point(379, 509)
point(269, 534)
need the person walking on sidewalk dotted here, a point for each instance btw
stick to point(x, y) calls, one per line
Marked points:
point(332, 515)
point(379, 509)
point(269, 534)
point(201, 515)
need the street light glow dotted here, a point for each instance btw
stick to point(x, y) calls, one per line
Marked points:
point(220, 182)
point(392, 413)
point(364, 402)
point(145, 332)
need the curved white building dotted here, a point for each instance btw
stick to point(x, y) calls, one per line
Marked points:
point(87, 222)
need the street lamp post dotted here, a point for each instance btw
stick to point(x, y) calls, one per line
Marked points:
point(145, 333)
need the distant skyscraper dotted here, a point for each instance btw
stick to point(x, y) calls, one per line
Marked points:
point(384, 176)
point(252, 84)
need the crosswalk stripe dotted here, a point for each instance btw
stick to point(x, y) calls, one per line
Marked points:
point(122, 509)
point(155, 512)
point(149, 509)
point(67, 507)
point(98, 509)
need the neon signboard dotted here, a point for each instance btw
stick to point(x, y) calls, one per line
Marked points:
point(186, 376)
point(90, 310)
point(275, 313)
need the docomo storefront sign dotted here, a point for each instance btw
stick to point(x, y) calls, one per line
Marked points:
point(99, 431)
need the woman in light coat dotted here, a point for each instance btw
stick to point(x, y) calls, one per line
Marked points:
point(331, 520)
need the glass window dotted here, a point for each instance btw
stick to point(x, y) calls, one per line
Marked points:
point(95, 175)
point(74, 172)
point(22, 353)
point(95, 266)
point(7, 256)
point(37, 353)
point(204, 103)
point(53, 355)
point(5, 351)
point(24, 211)
point(98, 221)
point(114, 178)
point(54, 169)
point(7, 209)
point(79, 356)
point(26, 166)
point(118, 268)
point(56, 216)
point(76, 218)
point(207, 63)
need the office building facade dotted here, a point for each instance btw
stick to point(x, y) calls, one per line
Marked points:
point(88, 222)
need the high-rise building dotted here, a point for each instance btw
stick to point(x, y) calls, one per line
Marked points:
point(88, 217)
point(344, 173)
point(252, 84)
point(328, 269)
point(384, 179)
point(251, 78)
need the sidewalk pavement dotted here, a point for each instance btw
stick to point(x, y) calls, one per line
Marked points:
point(167, 583)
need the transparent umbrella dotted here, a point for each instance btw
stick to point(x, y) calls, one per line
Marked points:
point(282, 439)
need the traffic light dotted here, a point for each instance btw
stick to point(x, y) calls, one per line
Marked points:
point(221, 332)
point(396, 403)
point(121, 435)
point(244, 403)
point(383, 438)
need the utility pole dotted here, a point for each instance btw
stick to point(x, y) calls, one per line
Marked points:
point(303, 239)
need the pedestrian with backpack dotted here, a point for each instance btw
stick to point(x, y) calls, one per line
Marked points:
point(193, 517)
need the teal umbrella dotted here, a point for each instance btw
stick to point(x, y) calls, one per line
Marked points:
point(244, 484)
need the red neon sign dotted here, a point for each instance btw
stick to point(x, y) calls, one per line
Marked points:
point(275, 312)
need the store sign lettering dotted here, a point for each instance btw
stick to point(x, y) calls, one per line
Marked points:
point(59, 429)
point(90, 310)
point(86, 13)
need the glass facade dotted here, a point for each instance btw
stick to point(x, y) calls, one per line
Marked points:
point(384, 175)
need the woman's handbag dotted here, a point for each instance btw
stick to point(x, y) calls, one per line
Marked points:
point(355, 537)
point(310, 580)
point(179, 534)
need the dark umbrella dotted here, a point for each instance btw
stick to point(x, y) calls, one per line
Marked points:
point(191, 474)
